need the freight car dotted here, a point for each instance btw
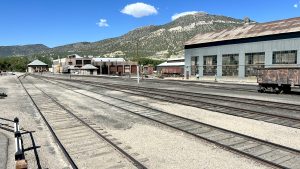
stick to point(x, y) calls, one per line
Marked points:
point(171, 70)
point(278, 79)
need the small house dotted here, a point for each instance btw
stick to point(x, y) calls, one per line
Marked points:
point(88, 69)
point(37, 66)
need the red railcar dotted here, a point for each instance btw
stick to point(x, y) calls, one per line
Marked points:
point(172, 70)
point(278, 79)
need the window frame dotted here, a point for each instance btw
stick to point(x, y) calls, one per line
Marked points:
point(282, 54)
point(232, 66)
point(210, 69)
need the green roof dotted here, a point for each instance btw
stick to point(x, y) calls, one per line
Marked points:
point(37, 63)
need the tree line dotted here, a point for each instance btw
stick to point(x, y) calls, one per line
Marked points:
point(19, 63)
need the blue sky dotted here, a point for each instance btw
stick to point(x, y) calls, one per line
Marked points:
point(59, 22)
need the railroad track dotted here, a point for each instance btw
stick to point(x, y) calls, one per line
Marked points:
point(223, 86)
point(242, 107)
point(84, 144)
point(263, 151)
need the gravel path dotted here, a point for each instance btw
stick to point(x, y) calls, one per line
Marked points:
point(17, 104)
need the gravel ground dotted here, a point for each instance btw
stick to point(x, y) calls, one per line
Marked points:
point(17, 104)
point(162, 146)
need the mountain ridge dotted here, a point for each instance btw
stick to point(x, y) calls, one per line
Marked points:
point(154, 41)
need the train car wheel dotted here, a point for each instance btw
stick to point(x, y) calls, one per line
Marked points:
point(277, 90)
point(287, 89)
point(261, 89)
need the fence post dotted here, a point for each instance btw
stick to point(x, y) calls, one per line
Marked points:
point(21, 163)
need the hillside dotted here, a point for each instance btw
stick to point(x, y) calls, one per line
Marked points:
point(151, 41)
point(22, 50)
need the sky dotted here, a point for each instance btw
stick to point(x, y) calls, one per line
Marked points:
point(60, 22)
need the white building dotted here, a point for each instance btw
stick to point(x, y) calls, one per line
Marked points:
point(240, 51)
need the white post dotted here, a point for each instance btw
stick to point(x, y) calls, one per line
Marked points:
point(138, 73)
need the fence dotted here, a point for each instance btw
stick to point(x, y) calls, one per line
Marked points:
point(21, 162)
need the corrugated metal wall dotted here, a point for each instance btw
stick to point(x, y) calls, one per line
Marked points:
point(266, 46)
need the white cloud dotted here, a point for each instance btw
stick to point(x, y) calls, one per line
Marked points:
point(177, 15)
point(296, 5)
point(102, 23)
point(139, 10)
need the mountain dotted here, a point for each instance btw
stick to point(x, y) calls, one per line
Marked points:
point(151, 41)
point(22, 50)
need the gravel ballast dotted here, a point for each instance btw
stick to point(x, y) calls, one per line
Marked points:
point(17, 104)
point(162, 146)
point(286, 136)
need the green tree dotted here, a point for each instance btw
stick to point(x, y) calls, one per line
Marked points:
point(147, 61)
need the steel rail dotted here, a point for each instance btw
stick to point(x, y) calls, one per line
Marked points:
point(209, 96)
point(202, 95)
point(67, 155)
point(184, 83)
point(188, 102)
point(115, 146)
point(276, 146)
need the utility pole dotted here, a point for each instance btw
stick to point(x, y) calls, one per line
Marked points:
point(101, 67)
point(138, 67)
point(60, 65)
point(138, 73)
point(137, 49)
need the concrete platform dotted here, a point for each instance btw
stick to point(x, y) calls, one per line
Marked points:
point(3, 150)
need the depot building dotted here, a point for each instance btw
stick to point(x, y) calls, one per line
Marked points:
point(239, 52)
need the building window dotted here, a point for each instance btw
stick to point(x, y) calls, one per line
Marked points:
point(194, 68)
point(230, 64)
point(78, 62)
point(254, 61)
point(285, 57)
point(86, 62)
point(209, 65)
